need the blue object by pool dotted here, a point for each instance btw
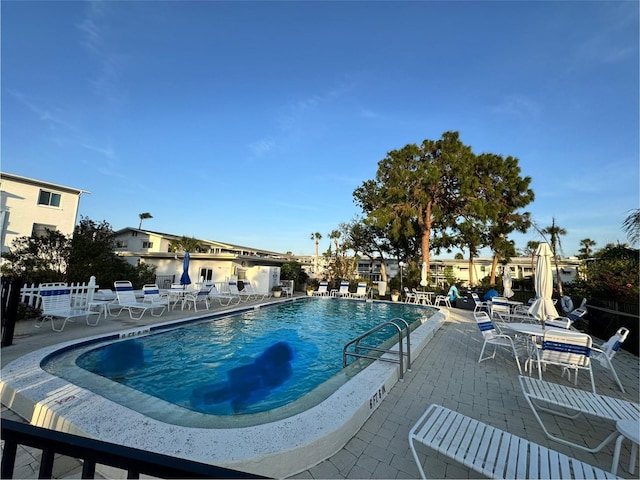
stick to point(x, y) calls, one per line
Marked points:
point(250, 383)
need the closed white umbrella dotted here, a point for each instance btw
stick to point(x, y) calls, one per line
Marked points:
point(543, 307)
point(507, 283)
point(423, 275)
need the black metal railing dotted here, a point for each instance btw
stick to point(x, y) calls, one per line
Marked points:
point(91, 452)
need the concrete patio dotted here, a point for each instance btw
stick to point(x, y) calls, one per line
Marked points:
point(446, 372)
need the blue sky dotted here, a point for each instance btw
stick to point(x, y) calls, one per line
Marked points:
point(253, 123)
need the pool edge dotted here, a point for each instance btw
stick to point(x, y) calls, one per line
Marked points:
point(296, 443)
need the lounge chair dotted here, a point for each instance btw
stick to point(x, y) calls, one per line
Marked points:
point(343, 291)
point(56, 303)
point(127, 301)
point(605, 352)
point(567, 349)
point(361, 291)
point(153, 295)
point(490, 451)
point(248, 286)
point(322, 290)
point(241, 294)
point(572, 402)
point(224, 299)
point(493, 337)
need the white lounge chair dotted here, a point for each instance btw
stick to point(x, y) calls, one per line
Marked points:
point(241, 294)
point(343, 291)
point(572, 402)
point(56, 303)
point(224, 299)
point(605, 352)
point(248, 286)
point(127, 301)
point(322, 290)
point(493, 337)
point(490, 451)
point(153, 295)
point(567, 349)
point(361, 291)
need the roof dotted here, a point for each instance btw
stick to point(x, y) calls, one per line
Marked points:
point(226, 246)
point(42, 183)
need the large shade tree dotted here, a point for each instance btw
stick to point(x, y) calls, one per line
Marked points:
point(415, 188)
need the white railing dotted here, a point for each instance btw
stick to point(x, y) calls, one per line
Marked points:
point(31, 294)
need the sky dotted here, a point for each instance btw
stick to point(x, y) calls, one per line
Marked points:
point(252, 123)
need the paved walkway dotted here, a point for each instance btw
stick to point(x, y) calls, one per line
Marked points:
point(446, 372)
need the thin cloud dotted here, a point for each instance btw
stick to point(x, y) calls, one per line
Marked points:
point(262, 147)
point(518, 106)
point(43, 113)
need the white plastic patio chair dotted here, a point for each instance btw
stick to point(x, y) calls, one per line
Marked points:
point(201, 295)
point(499, 305)
point(493, 337)
point(409, 297)
point(479, 304)
point(442, 299)
point(605, 352)
point(567, 349)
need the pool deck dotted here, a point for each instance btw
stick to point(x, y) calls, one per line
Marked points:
point(446, 372)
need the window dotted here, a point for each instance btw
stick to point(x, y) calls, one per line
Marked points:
point(40, 230)
point(206, 274)
point(49, 198)
point(147, 244)
point(121, 244)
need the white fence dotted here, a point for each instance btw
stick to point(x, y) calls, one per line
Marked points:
point(30, 294)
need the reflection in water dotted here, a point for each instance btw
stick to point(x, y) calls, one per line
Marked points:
point(250, 383)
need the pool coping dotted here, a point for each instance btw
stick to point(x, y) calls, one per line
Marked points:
point(277, 449)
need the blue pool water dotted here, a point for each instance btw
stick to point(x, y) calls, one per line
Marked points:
point(246, 363)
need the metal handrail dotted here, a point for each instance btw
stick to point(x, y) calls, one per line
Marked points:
point(400, 352)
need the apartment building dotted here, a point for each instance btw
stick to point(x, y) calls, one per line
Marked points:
point(29, 207)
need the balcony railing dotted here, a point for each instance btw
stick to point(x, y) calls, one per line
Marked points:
point(91, 452)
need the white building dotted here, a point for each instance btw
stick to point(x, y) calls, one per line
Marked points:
point(213, 262)
point(28, 207)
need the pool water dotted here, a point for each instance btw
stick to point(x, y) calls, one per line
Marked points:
point(246, 363)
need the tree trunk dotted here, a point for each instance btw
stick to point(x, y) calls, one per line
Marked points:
point(425, 224)
point(470, 269)
point(494, 267)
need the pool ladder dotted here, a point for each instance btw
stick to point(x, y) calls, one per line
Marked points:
point(400, 353)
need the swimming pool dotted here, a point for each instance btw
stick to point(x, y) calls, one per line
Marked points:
point(279, 448)
point(272, 359)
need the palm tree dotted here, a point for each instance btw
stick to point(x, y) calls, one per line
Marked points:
point(587, 245)
point(631, 226)
point(554, 232)
point(144, 216)
point(335, 236)
point(316, 236)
